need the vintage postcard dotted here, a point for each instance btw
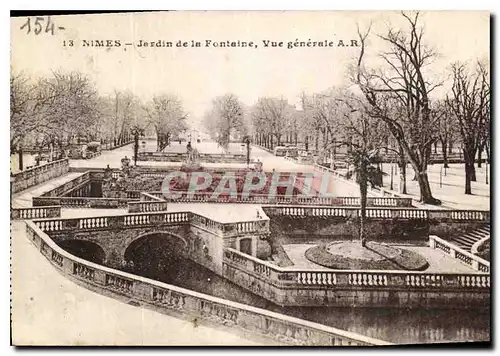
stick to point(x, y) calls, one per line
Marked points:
point(250, 178)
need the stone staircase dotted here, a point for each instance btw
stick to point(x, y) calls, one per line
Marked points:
point(465, 241)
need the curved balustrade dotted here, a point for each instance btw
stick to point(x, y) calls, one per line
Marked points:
point(461, 255)
point(286, 329)
point(377, 279)
point(36, 212)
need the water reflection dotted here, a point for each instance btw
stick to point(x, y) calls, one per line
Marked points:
point(394, 325)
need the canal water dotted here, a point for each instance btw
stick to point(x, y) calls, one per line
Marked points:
point(393, 325)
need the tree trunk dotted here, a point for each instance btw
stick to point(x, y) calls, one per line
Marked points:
point(307, 143)
point(425, 189)
point(435, 147)
point(487, 149)
point(316, 143)
point(402, 179)
point(468, 177)
point(450, 147)
point(136, 148)
point(479, 154)
point(445, 153)
point(296, 138)
point(363, 190)
point(470, 171)
point(20, 155)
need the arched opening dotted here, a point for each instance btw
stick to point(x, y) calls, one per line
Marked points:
point(158, 256)
point(87, 250)
point(246, 246)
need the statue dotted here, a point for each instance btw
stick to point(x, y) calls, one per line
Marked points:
point(125, 165)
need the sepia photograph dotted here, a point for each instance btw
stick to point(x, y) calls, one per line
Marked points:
point(250, 178)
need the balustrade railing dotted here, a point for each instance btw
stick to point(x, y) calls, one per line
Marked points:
point(282, 328)
point(151, 196)
point(377, 279)
point(183, 196)
point(459, 254)
point(109, 222)
point(68, 186)
point(83, 202)
point(37, 175)
point(380, 213)
point(147, 206)
point(35, 212)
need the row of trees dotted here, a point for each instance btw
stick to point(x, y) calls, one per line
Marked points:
point(53, 112)
point(398, 100)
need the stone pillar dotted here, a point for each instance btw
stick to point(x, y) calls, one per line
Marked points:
point(475, 265)
point(432, 242)
point(254, 245)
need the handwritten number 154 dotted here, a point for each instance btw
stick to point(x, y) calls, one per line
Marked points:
point(39, 24)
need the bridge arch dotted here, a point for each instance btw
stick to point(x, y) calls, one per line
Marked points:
point(153, 251)
point(86, 249)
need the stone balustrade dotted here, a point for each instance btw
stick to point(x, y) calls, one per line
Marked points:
point(147, 206)
point(69, 186)
point(37, 175)
point(204, 197)
point(38, 212)
point(352, 279)
point(83, 202)
point(182, 157)
point(459, 254)
point(381, 214)
point(154, 219)
point(255, 321)
point(151, 196)
point(112, 222)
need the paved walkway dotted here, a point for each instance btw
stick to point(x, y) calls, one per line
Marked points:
point(452, 187)
point(113, 158)
point(81, 317)
point(438, 261)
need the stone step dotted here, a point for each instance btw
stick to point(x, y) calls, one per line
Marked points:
point(466, 238)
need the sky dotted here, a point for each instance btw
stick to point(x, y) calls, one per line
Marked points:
point(197, 75)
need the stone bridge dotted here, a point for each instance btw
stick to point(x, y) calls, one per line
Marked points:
point(191, 235)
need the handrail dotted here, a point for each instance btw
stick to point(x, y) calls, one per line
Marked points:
point(459, 254)
point(36, 212)
point(42, 167)
point(296, 331)
point(37, 175)
point(292, 269)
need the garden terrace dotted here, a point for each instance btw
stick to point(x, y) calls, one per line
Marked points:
point(144, 291)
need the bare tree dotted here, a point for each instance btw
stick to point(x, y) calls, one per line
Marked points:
point(399, 95)
point(365, 137)
point(447, 126)
point(225, 118)
point(469, 101)
point(166, 114)
point(273, 116)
